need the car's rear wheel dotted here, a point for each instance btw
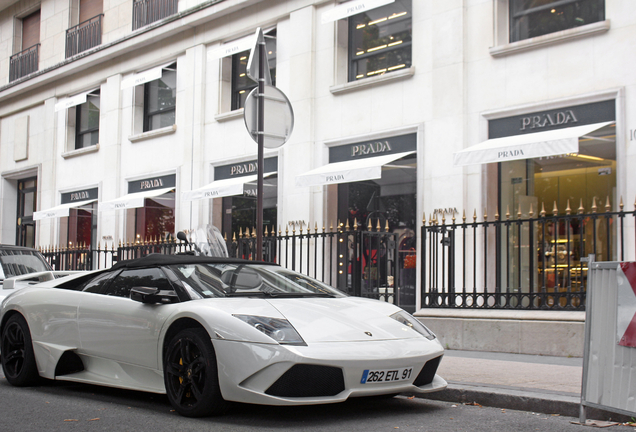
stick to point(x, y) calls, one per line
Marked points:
point(18, 360)
point(191, 375)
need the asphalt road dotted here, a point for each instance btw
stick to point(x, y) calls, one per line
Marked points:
point(58, 406)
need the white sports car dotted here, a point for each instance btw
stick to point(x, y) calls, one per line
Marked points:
point(207, 331)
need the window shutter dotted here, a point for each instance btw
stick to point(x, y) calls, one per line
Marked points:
point(31, 30)
point(90, 9)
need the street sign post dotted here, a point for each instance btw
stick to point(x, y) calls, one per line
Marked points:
point(271, 130)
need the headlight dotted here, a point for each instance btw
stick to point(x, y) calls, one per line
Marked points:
point(412, 322)
point(278, 329)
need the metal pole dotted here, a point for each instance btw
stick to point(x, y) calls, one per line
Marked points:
point(261, 159)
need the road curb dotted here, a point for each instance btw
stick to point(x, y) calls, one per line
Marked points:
point(519, 399)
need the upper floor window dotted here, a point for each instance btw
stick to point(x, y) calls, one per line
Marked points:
point(148, 11)
point(160, 99)
point(241, 83)
point(532, 18)
point(27, 45)
point(380, 40)
point(87, 121)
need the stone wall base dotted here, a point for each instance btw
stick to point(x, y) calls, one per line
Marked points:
point(551, 333)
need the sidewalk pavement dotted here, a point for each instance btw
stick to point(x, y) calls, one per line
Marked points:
point(542, 384)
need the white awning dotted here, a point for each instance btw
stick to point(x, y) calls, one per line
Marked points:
point(348, 171)
point(60, 211)
point(527, 146)
point(132, 200)
point(222, 188)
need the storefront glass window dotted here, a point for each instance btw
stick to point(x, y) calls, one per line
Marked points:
point(386, 202)
point(241, 83)
point(87, 121)
point(569, 181)
point(532, 18)
point(155, 220)
point(82, 225)
point(27, 192)
point(240, 211)
point(380, 40)
point(160, 100)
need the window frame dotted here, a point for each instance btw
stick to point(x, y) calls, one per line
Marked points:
point(236, 102)
point(513, 17)
point(79, 134)
point(351, 54)
point(147, 114)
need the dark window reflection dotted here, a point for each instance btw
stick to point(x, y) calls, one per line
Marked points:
point(241, 83)
point(160, 100)
point(532, 18)
point(380, 40)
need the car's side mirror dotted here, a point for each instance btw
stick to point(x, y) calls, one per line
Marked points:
point(150, 295)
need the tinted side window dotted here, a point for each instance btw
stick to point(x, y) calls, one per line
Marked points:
point(152, 277)
point(96, 285)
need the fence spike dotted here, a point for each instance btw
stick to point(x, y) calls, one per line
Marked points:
point(369, 226)
point(519, 213)
point(347, 225)
point(233, 237)
point(621, 203)
point(475, 216)
point(316, 228)
point(293, 228)
point(531, 212)
point(266, 231)
point(424, 218)
point(453, 218)
point(253, 232)
point(496, 215)
point(386, 226)
point(377, 226)
point(485, 214)
point(608, 207)
point(225, 237)
point(568, 210)
point(464, 216)
point(240, 232)
point(542, 210)
point(287, 230)
point(443, 217)
point(581, 208)
point(508, 212)
point(555, 210)
point(594, 205)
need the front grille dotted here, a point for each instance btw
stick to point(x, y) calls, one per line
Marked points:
point(427, 373)
point(305, 380)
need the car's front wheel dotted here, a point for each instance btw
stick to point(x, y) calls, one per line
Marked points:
point(18, 360)
point(191, 376)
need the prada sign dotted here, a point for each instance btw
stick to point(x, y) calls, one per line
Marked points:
point(159, 182)
point(371, 148)
point(244, 168)
point(559, 118)
point(81, 195)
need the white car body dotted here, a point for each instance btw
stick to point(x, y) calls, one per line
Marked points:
point(121, 342)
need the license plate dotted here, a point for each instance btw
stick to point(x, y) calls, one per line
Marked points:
point(386, 375)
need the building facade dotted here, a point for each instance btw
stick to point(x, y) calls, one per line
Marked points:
point(123, 120)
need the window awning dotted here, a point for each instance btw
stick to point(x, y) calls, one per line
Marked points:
point(60, 211)
point(348, 171)
point(222, 188)
point(527, 146)
point(132, 200)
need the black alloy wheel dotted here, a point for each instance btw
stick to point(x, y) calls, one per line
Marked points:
point(191, 375)
point(18, 360)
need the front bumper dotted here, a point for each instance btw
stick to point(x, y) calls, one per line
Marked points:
point(256, 373)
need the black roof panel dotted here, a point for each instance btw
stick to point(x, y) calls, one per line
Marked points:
point(162, 260)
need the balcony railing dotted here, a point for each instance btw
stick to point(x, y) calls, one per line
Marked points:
point(149, 11)
point(84, 36)
point(24, 62)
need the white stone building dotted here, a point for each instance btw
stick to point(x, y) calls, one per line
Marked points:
point(150, 99)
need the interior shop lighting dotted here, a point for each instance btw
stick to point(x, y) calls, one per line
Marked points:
point(379, 47)
point(379, 71)
point(400, 66)
point(397, 15)
point(580, 156)
point(396, 43)
point(378, 21)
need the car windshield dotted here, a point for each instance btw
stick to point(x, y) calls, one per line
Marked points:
point(249, 280)
point(18, 262)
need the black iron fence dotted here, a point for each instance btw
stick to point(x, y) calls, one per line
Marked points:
point(149, 11)
point(525, 262)
point(24, 62)
point(84, 36)
point(361, 261)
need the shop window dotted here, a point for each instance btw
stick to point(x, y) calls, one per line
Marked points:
point(82, 226)
point(380, 40)
point(241, 83)
point(155, 220)
point(160, 97)
point(87, 121)
point(532, 18)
